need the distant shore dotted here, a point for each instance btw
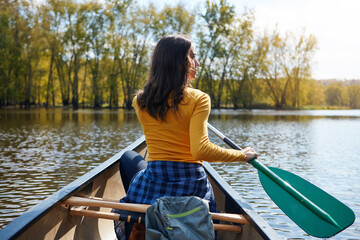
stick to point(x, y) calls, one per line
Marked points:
point(259, 106)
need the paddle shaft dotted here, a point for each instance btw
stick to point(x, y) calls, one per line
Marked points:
point(80, 201)
point(280, 182)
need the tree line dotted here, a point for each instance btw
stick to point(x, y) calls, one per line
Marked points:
point(90, 54)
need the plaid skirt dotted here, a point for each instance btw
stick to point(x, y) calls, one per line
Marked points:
point(170, 178)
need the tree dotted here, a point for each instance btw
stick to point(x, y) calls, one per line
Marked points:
point(31, 54)
point(6, 43)
point(133, 55)
point(297, 62)
point(243, 67)
point(175, 19)
point(314, 93)
point(354, 96)
point(333, 94)
point(67, 50)
point(272, 69)
point(117, 14)
point(66, 60)
point(145, 25)
point(15, 39)
point(52, 16)
point(96, 26)
point(286, 65)
point(212, 32)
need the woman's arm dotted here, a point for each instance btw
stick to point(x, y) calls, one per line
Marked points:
point(200, 146)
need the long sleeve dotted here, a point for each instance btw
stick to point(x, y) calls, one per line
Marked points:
point(200, 146)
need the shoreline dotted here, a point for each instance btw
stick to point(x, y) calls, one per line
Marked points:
point(257, 107)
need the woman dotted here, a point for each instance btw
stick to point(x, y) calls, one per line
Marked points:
point(174, 120)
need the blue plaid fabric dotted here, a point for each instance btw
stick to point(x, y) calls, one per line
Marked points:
point(170, 178)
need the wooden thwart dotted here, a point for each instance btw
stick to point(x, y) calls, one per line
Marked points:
point(115, 216)
point(97, 214)
point(89, 202)
point(80, 201)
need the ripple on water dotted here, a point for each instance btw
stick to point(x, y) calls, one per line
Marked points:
point(40, 155)
point(38, 159)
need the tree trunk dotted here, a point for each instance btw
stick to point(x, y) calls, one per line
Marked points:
point(63, 84)
point(84, 85)
point(75, 84)
point(50, 86)
point(221, 86)
point(96, 90)
point(283, 95)
point(28, 83)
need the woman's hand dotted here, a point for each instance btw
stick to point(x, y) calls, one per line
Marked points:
point(250, 154)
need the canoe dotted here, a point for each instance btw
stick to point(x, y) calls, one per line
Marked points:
point(52, 219)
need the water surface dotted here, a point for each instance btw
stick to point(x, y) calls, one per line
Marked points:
point(42, 151)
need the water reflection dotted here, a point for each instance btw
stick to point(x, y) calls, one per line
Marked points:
point(42, 151)
point(322, 148)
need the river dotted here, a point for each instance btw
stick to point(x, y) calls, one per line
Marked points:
point(42, 150)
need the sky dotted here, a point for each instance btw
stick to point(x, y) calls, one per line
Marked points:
point(335, 24)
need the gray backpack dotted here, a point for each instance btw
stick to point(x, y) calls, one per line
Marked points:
point(179, 218)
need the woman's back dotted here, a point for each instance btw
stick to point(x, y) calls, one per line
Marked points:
point(169, 140)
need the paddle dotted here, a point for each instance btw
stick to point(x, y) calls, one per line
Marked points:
point(312, 209)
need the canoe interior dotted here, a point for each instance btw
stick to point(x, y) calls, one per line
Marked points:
point(51, 219)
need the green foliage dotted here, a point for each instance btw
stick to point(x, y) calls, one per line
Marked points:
point(354, 96)
point(173, 20)
point(92, 54)
point(214, 53)
point(334, 94)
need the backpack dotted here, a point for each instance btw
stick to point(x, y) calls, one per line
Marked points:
point(179, 218)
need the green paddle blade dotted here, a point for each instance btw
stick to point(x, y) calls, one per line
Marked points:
point(312, 209)
point(321, 216)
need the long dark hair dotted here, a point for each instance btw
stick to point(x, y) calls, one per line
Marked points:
point(168, 76)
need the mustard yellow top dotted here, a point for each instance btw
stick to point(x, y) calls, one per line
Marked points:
point(184, 137)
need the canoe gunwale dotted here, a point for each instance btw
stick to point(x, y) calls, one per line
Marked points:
point(25, 220)
point(262, 227)
point(19, 225)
